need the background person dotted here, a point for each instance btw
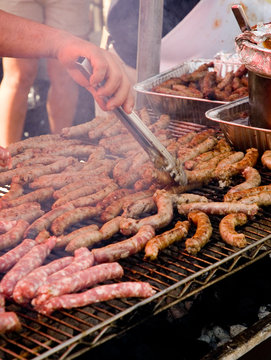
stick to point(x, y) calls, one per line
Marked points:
point(19, 74)
point(22, 38)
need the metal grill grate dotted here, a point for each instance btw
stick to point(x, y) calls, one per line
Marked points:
point(175, 276)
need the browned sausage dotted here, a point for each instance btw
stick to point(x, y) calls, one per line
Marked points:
point(227, 229)
point(160, 242)
point(219, 208)
point(203, 232)
point(125, 248)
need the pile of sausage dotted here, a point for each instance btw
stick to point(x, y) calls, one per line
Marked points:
point(206, 83)
point(96, 176)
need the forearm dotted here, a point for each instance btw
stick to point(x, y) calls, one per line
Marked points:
point(23, 38)
point(20, 37)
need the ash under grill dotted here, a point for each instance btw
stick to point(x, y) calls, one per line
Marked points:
point(175, 276)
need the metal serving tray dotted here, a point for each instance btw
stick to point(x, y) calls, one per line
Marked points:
point(181, 107)
point(233, 119)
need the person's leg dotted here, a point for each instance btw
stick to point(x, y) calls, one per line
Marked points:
point(71, 16)
point(62, 97)
point(18, 76)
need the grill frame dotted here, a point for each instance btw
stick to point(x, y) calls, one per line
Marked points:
point(176, 276)
point(131, 312)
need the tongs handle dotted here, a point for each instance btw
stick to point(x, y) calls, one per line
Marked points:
point(156, 151)
point(240, 16)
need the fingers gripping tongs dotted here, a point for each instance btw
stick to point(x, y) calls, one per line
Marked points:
point(158, 154)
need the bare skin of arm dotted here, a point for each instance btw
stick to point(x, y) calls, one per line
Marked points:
point(22, 38)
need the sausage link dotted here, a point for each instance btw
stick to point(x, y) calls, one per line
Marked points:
point(162, 241)
point(227, 229)
point(97, 294)
point(203, 232)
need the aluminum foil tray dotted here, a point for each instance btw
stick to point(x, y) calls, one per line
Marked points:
point(181, 107)
point(233, 119)
point(254, 50)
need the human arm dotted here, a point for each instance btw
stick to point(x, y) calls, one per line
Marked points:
point(24, 38)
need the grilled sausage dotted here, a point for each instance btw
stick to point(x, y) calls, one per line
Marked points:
point(81, 130)
point(110, 228)
point(97, 131)
point(232, 158)
point(261, 199)
point(57, 181)
point(65, 239)
point(38, 142)
point(187, 199)
point(11, 257)
point(213, 162)
point(80, 280)
point(219, 208)
point(203, 232)
point(189, 153)
point(14, 236)
point(200, 137)
point(83, 190)
point(244, 193)
point(250, 159)
point(17, 159)
point(121, 168)
point(125, 248)
point(6, 225)
point(29, 212)
point(65, 220)
point(134, 171)
point(227, 229)
point(163, 217)
point(74, 188)
point(44, 222)
point(9, 321)
point(114, 209)
point(35, 172)
point(39, 195)
point(266, 159)
point(113, 196)
point(160, 242)
point(2, 303)
point(14, 192)
point(138, 207)
point(8, 176)
point(31, 260)
point(83, 259)
point(40, 160)
point(42, 236)
point(88, 239)
point(26, 288)
point(92, 199)
point(253, 179)
point(97, 294)
point(76, 150)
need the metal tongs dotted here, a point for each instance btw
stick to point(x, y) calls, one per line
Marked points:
point(158, 154)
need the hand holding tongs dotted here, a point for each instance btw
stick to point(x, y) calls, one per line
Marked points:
point(156, 151)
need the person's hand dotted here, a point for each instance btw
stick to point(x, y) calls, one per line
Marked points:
point(107, 70)
point(5, 158)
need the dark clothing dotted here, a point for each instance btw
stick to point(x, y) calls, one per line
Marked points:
point(122, 24)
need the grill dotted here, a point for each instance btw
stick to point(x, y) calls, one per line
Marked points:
point(175, 276)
